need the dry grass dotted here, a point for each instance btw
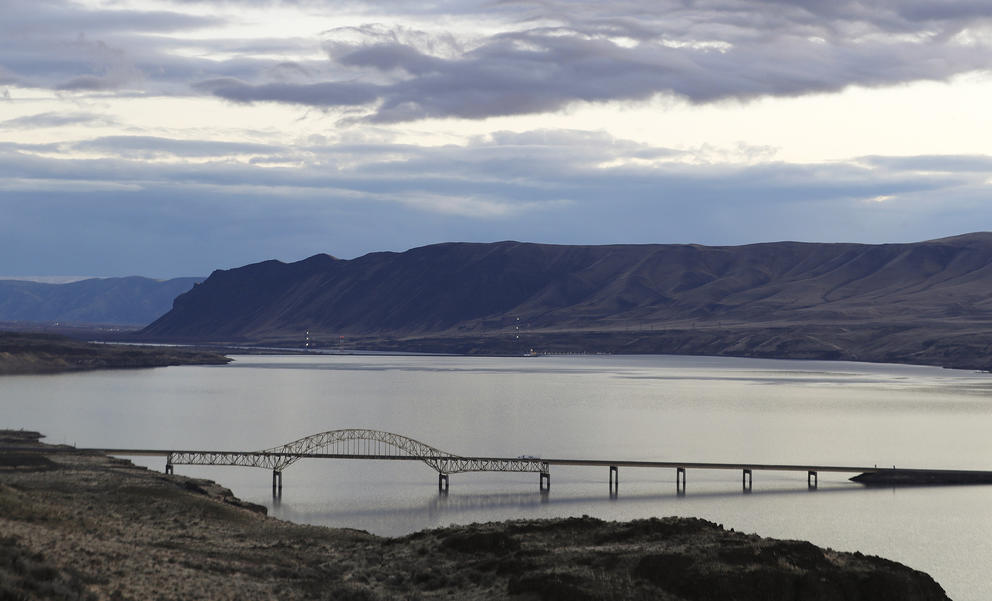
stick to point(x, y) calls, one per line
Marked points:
point(90, 527)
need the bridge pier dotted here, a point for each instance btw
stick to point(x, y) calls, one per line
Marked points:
point(169, 469)
point(680, 480)
point(614, 480)
point(442, 482)
point(746, 480)
point(276, 482)
point(545, 483)
point(811, 478)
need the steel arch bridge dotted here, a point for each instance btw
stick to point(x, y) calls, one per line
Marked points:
point(358, 443)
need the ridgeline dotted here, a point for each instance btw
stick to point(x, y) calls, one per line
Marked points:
point(924, 303)
point(128, 301)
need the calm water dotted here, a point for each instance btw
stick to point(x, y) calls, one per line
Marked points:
point(655, 408)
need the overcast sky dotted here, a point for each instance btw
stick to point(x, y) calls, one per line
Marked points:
point(174, 137)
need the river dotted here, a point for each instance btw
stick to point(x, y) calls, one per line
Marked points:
point(663, 408)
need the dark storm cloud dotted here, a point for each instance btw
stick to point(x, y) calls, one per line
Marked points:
point(535, 72)
point(64, 46)
point(632, 51)
point(91, 83)
point(536, 56)
point(387, 56)
point(325, 94)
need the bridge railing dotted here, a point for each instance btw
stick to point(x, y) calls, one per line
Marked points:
point(357, 443)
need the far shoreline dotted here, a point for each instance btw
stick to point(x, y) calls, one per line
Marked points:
point(28, 354)
point(83, 350)
point(429, 350)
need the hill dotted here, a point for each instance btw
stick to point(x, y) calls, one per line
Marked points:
point(119, 301)
point(925, 302)
point(81, 525)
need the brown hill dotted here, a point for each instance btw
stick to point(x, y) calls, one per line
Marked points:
point(924, 302)
point(77, 525)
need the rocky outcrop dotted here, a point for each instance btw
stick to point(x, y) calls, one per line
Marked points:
point(85, 526)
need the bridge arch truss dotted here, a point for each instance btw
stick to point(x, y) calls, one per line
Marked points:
point(358, 443)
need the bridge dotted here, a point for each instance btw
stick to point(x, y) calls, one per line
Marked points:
point(357, 443)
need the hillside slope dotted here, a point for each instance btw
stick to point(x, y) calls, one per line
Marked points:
point(492, 291)
point(124, 301)
point(84, 526)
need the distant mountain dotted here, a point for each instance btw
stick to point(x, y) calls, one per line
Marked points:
point(771, 299)
point(119, 301)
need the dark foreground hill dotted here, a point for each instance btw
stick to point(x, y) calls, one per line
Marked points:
point(82, 526)
point(113, 301)
point(925, 302)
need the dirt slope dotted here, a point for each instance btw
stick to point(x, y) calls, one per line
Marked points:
point(77, 526)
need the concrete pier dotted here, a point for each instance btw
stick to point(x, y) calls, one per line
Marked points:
point(386, 446)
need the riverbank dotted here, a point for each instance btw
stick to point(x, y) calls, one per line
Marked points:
point(24, 353)
point(86, 526)
point(940, 344)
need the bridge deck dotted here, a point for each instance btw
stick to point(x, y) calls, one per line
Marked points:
point(368, 444)
point(376, 445)
point(778, 467)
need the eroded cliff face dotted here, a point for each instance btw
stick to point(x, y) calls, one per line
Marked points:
point(81, 526)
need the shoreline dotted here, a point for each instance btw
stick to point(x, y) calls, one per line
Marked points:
point(96, 527)
point(945, 347)
point(23, 353)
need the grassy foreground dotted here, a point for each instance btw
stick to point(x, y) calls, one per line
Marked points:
point(86, 526)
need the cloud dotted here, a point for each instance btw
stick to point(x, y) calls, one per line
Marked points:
point(636, 51)
point(506, 167)
point(63, 45)
point(326, 94)
point(51, 119)
point(349, 197)
point(501, 176)
point(525, 57)
point(932, 163)
point(143, 147)
point(58, 17)
point(90, 83)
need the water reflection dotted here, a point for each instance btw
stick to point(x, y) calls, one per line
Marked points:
point(675, 408)
point(450, 505)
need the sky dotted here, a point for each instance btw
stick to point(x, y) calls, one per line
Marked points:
point(173, 137)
